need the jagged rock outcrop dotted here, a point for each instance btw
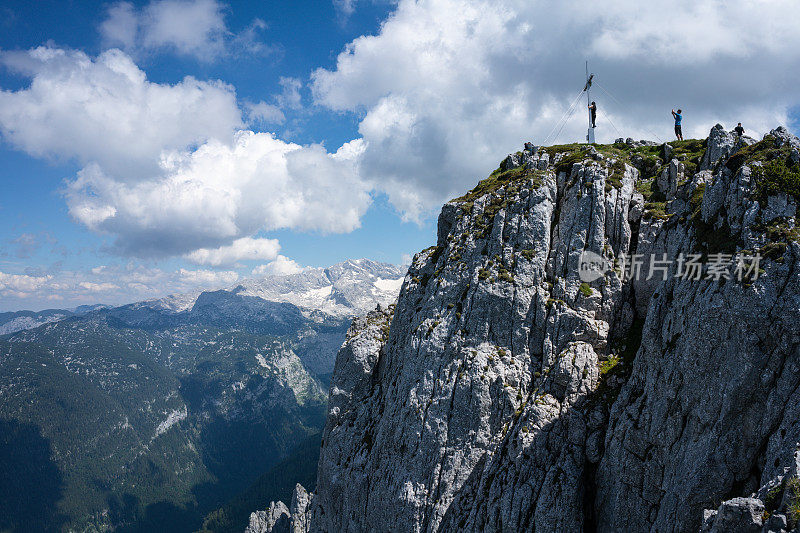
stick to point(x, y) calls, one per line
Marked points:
point(276, 520)
point(280, 519)
point(506, 392)
point(670, 177)
point(721, 145)
point(743, 515)
point(349, 428)
point(300, 510)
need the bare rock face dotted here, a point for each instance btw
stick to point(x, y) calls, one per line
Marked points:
point(492, 341)
point(716, 372)
point(300, 510)
point(670, 177)
point(506, 391)
point(276, 520)
point(739, 514)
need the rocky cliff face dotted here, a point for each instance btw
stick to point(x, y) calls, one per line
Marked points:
point(506, 392)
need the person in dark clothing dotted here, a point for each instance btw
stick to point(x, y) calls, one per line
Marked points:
point(678, 117)
point(739, 130)
point(593, 110)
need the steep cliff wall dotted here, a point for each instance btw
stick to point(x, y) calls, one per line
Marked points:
point(503, 392)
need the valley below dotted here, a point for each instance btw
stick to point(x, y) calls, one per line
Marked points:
point(153, 414)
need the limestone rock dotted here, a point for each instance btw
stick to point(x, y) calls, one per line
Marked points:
point(667, 150)
point(776, 523)
point(784, 137)
point(511, 161)
point(503, 392)
point(779, 206)
point(720, 145)
point(716, 373)
point(669, 178)
point(739, 515)
point(275, 520)
point(490, 346)
point(300, 510)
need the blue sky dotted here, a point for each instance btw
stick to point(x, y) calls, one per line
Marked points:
point(38, 235)
point(308, 133)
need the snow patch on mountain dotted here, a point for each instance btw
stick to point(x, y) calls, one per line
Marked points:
point(28, 322)
point(347, 289)
point(388, 285)
point(172, 418)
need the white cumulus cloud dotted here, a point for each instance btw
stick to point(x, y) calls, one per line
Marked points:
point(116, 284)
point(244, 249)
point(194, 28)
point(217, 194)
point(446, 87)
point(209, 279)
point(290, 93)
point(97, 287)
point(264, 113)
point(442, 91)
point(167, 169)
point(21, 283)
point(104, 110)
point(281, 266)
point(190, 26)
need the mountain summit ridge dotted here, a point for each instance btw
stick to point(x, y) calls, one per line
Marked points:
point(504, 392)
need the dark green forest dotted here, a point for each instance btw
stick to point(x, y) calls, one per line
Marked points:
point(106, 425)
point(277, 484)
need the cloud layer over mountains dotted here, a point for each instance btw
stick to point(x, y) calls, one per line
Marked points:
point(442, 91)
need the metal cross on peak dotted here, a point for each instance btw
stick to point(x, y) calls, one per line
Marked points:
point(590, 131)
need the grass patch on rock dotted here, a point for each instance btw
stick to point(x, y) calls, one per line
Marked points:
point(585, 289)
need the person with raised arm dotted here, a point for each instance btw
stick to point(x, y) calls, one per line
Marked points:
point(678, 117)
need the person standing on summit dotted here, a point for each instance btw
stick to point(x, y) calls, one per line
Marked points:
point(678, 117)
point(593, 111)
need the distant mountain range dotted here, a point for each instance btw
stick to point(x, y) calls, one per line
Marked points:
point(11, 322)
point(347, 289)
point(157, 412)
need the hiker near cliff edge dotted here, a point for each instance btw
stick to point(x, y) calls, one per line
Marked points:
point(739, 130)
point(678, 117)
point(593, 110)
